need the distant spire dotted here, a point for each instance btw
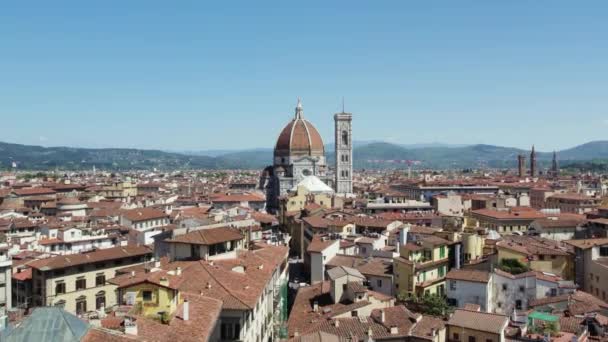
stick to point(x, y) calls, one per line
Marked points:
point(533, 163)
point(299, 110)
point(555, 165)
point(343, 104)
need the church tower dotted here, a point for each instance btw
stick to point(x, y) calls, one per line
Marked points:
point(521, 166)
point(554, 166)
point(344, 153)
point(533, 163)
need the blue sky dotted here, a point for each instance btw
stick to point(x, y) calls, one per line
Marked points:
point(197, 75)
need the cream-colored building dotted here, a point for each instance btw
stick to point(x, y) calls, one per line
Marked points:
point(118, 190)
point(78, 282)
point(421, 267)
point(474, 326)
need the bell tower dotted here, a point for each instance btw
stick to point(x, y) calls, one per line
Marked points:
point(344, 153)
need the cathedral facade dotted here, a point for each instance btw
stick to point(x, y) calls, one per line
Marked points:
point(300, 153)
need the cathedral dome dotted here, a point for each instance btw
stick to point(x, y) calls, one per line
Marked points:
point(299, 138)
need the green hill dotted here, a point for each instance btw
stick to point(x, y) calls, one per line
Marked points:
point(367, 155)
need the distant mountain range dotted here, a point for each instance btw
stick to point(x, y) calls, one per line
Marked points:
point(368, 155)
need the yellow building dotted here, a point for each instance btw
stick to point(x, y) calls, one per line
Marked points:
point(78, 282)
point(153, 295)
point(474, 326)
point(421, 267)
point(304, 197)
point(472, 246)
point(118, 190)
point(538, 254)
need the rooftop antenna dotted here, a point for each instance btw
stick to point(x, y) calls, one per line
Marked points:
point(342, 104)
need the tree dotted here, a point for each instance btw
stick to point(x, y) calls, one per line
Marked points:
point(513, 266)
point(434, 305)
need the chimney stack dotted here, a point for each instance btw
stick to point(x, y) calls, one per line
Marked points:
point(130, 327)
point(178, 271)
point(186, 315)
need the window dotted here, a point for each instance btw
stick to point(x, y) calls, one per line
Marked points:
point(522, 289)
point(453, 285)
point(100, 279)
point(553, 292)
point(100, 300)
point(344, 287)
point(541, 257)
point(354, 313)
point(379, 282)
point(59, 288)
point(60, 304)
point(147, 295)
point(471, 338)
point(489, 340)
point(604, 251)
point(518, 304)
point(442, 252)
point(441, 271)
point(504, 287)
point(81, 305)
point(81, 283)
point(345, 138)
point(456, 337)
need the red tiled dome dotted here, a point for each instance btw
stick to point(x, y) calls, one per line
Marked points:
point(299, 138)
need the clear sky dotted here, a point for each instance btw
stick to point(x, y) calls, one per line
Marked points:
point(197, 75)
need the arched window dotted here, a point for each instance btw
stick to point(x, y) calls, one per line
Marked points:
point(344, 137)
point(81, 305)
point(100, 300)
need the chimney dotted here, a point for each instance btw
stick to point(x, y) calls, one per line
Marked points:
point(130, 327)
point(186, 314)
point(164, 281)
point(132, 273)
point(433, 332)
point(457, 251)
point(157, 264)
point(382, 316)
point(394, 330)
point(336, 323)
point(403, 235)
point(178, 271)
point(315, 307)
